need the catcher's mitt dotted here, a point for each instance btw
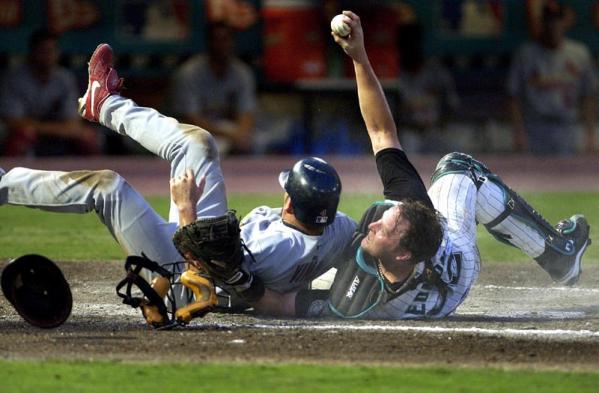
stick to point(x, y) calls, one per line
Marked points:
point(216, 245)
point(37, 289)
point(213, 242)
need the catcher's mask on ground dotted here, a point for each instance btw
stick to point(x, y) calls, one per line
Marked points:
point(37, 289)
point(158, 302)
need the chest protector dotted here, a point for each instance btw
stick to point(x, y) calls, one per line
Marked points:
point(358, 286)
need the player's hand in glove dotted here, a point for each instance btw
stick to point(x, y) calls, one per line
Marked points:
point(215, 244)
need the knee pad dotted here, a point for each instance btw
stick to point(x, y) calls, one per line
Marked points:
point(460, 163)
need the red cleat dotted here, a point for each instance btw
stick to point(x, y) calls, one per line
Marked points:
point(103, 82)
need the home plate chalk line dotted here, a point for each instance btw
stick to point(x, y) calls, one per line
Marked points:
point(508, 332)
point(542, 289)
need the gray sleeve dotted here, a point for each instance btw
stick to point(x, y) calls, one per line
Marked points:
point(346, 229)
point(349, 226)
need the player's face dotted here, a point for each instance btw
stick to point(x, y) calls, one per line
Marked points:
point(384, 235)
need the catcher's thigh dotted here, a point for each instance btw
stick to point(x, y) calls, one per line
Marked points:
point(454, 196)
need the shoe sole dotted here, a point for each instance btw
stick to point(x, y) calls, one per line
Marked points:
point(93, 59)
point(573, 275)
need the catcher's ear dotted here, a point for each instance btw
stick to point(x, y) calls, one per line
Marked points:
point(403, 256)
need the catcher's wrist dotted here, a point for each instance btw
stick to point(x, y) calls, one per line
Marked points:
point(187, 214)
point(185, 207)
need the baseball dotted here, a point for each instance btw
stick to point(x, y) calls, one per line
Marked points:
point(339, 27)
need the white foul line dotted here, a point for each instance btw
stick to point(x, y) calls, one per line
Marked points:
point(436, 329)
point(548, 289)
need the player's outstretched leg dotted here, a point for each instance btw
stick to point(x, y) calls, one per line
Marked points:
point(510, 219)
point(129, 218)
point(182, 145)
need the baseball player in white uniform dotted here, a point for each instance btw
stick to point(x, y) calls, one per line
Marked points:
point(414, 255)
point(290, 246)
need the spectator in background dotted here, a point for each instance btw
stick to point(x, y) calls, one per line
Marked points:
point(217, 92)
point(552, 87)
point(427, 95)
point(38, 105)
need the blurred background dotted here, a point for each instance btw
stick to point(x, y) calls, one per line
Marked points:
point(482, 76)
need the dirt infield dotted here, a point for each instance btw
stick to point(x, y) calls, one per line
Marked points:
point(513, 318)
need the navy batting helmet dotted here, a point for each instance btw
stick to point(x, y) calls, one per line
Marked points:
point(314, 188)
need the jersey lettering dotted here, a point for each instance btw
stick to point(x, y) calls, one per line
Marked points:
point(421, 297)
point(416, 309)
point(352, 288)
point(418, 306)
point(453, 266)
